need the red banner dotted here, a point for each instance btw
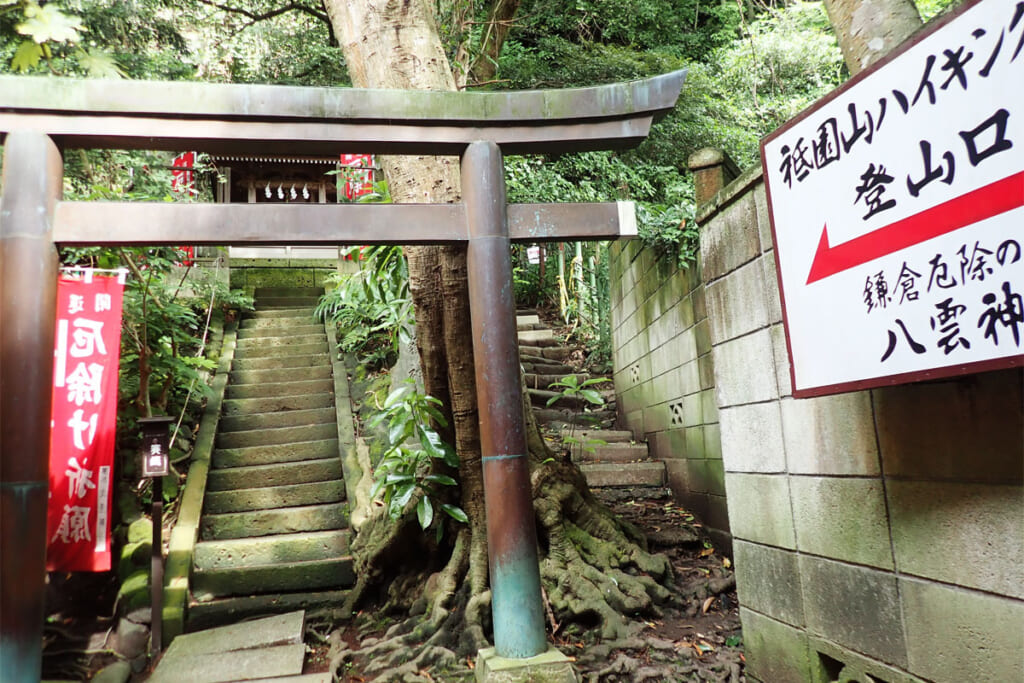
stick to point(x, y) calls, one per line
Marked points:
point(183, 178)
point(83, 423)
point(358, 175)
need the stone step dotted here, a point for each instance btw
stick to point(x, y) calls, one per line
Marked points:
point(544, 367)
point(319, 335)
point(558, 353)
point(274, 420)
point(275, 435)
point(251, 552)
point(272, 332)
point(274, 474)
point(265, 303)
point(294, 495)
point(562, 416)
point(236, 609)
point(536, 337)
point(269, 522)
point(609, 452)
point(606, 435)
point(527, 319)
point(277, 322)
point(600, 474)
point(320, 347)
point(283, 576)
point(312, 386)
point(279, 453)
point(283, 312)
point(273, 404)
point(280, 362)
point(540, 398)
point(239, 377)
point(536, 381)
point(260, 292)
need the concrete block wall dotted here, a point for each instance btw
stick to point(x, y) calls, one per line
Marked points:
point(878, 535)
point(664, 377)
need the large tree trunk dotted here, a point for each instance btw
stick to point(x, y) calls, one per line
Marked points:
point(869, 29)
point(593, 566)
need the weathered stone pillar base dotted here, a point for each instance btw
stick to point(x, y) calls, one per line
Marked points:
point(548, 667)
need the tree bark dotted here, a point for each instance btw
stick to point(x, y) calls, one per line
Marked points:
point(867, 30)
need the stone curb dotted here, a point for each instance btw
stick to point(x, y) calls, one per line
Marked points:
point(185, 533)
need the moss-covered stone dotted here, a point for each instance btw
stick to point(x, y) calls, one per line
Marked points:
point(140, 530)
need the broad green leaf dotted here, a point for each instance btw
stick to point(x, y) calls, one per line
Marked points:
point(27, 56)
point(451, 458)
point(393, 397)
point(455, 512)
point(48, 23)
point(440, 479)
point(392, 479)
point(99, 64)
point(592, 396)
point(425, 512)
point(404, 495)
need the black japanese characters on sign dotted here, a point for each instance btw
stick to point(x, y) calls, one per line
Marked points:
point(897, 209)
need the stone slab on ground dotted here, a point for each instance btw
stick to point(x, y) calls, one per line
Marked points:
point(231, 610)
point(225, 667)
point(549, 667)
point(279, 629)
point(252, 650)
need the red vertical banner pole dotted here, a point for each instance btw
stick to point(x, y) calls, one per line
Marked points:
point(32, 179)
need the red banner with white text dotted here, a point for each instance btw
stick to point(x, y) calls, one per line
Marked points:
point(83, 423)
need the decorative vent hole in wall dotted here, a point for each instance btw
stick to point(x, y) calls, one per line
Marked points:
point(676, 414)
point(634, 373)
point(838, 672)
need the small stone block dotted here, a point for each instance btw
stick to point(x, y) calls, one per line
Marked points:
point(549, 667)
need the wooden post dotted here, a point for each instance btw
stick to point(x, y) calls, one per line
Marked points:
point(32, 179)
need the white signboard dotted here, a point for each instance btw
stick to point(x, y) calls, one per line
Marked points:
point(898, 211)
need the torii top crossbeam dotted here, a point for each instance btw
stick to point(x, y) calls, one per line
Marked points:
point(41, 116)
point(270, 119)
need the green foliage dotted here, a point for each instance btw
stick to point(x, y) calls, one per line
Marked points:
point(570, 386)
point(372, 308)
point(406, 468)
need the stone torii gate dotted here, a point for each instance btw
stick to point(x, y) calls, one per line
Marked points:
point(40, 117)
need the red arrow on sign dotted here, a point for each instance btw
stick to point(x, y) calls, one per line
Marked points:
point(977, 205)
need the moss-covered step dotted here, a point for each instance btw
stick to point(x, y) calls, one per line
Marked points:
point(606, 435)
point(599, 474)
point(286, 302)
point(269, 497)
point(251, 552)
point(316, 337)
point(299, 318)
point(558, 353)
point(273, 404)
point(312, 386)
point(235, 609)
point(265, 351)
point(610, 452)
point(279, 362)
point(273, 420)
point(535, 336)
point(281, 576)
point(277, 453)
point(276, 474)
point(281, 374)
point(260, 437)
point(270, 332)
point(279, 521)
point(294, 312)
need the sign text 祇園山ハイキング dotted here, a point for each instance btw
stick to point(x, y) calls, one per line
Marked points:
point(898, 212)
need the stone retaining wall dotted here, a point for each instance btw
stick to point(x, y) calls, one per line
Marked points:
point(878, 535)
point(664, 377)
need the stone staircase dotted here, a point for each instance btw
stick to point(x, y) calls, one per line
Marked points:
point(607, 457)
point(274, 532)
